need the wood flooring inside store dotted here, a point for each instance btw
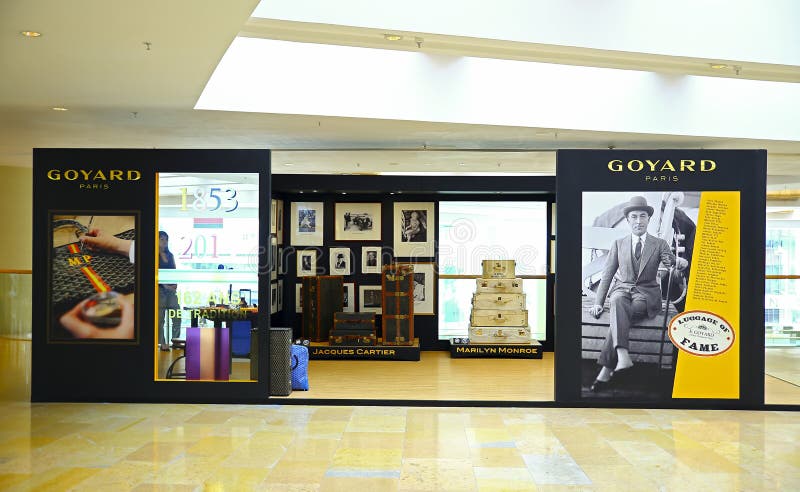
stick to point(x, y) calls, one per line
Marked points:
point(435, 377)
point(438, 377)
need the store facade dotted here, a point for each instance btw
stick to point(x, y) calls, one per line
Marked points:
point(243, 244)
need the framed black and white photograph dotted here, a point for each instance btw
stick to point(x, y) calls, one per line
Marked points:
point(280, 295)
point(273, 297)
point(341, 262)
point(349, 297)
point(424, 288)
point(369, 299)
point(298, 298)
point(279, 221)
point(358, 222)
point(371, 259)
point(273, 216)
point(273, 255)
point(281, 269)
point(414, 226)
point(307, 224)
point(306, 263)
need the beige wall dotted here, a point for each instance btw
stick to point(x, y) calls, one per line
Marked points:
point(16, 204)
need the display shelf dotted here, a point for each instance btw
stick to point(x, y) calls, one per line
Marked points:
point(461, 350)
point(324, 351)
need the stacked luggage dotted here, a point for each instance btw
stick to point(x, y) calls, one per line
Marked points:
point(498, 306)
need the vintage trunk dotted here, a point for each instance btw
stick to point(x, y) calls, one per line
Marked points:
point(366, 340)
point(322, 296)
point(498, 268)
point(495, 285)
point(353, 329)
point(353, 323)
point(499, 318)
point(512, 302)
point(398, 304)
point(499, 335)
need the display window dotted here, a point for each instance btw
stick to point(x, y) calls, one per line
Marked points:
point(207, 250)
point(471, 232)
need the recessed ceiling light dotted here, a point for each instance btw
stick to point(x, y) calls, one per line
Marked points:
point(59, 108)
point(461, 164)
point(717, 66)
point(392, 37)
point(344, 193)
point(31, 34)
point(288, 164)
point(394, 164)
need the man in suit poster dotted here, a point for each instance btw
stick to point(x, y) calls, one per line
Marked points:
point(629, 286)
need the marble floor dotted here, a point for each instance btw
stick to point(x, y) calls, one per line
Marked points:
point(120, 447)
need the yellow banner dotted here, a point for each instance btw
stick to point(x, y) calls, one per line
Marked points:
point(714, 288)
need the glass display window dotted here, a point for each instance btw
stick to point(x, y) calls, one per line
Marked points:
point(207, 275)
point(470, 232)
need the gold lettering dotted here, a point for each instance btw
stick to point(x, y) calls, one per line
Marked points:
point(668, 166)
point(54, 174)
point(707, 165)
point(615, 165)
point(87, 258)
point(687, 165)
point(99, 175)
point(134, 175)
point(635, 165)
point(85, 174)
point(74, 261)
point(70, 175)
point(115, 174)
point(652, 164)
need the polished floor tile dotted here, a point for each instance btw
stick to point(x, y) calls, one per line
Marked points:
point(160, 447)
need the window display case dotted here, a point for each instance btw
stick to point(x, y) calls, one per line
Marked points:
point(207, 276)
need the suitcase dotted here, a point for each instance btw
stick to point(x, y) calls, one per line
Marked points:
point(499, 335)
point(322, 296)
point(499, 318)
point(397, 290)
point(498, 268)
point(495, 285)
point(280, 339)
point(512, 302)
point(353, 329)
point(363, 340)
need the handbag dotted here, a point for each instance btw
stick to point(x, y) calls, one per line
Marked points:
point(299, 365)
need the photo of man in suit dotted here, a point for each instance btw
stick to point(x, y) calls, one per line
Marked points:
point(629, 279)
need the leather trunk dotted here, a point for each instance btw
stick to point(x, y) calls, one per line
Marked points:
point(499, 268)
point(499, 318)
point(322, 297)
point(353, 323)
point(397, 289)
point(366, 339)
point(502, 301)
point(495, 285)
point(499, 335)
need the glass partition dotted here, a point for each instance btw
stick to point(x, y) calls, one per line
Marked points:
point(470, 232)
point(782, 296)
point(207, 283)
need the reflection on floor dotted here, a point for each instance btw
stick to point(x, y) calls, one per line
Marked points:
point(286, 447)
point(784, 363)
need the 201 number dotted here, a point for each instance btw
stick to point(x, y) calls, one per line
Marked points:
point(200, 247)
